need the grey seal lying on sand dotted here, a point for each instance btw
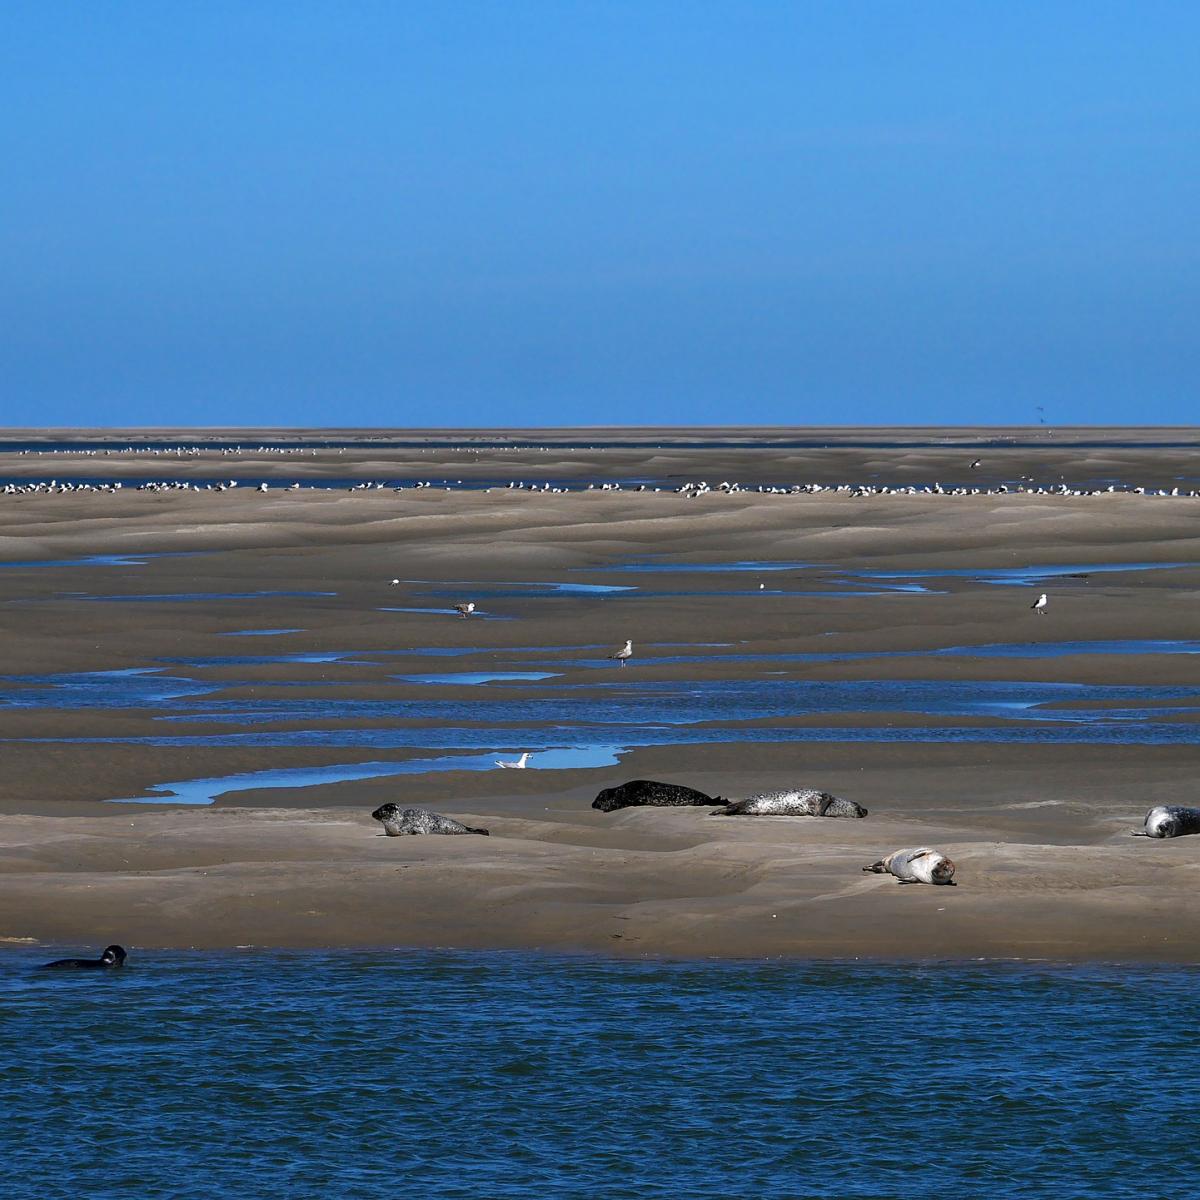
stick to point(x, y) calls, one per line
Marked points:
point(397, 821)
point(921, 865)
point(113, 956)
point(1170, 820)
point(796, 802)
point(647, 793)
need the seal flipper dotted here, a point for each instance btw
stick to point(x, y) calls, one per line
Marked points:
point(877, 868)
point(483, 831)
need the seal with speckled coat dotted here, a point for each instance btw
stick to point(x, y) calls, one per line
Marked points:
point(1170, 820)
point(647, 793)
point(397, 821)
point(921, 865)
point(796, 802)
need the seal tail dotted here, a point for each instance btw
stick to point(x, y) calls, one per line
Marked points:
point(482, 831)
point(877, 868)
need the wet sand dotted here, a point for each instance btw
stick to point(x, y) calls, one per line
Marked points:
point(1040, 832)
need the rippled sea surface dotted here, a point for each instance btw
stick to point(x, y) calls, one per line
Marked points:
point(452, 1074)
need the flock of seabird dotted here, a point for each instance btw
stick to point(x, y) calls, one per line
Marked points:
point(689, 491)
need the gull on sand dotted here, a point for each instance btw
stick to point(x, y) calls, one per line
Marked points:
point(1040, 606)
point(624, 654)
point(465, 610)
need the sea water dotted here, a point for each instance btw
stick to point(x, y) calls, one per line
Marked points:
point(496, 1075)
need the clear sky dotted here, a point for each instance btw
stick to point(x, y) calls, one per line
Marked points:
point(405, 213)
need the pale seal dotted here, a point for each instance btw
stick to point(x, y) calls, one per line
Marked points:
point(794, 802)
point(113, 956)
point(1170, 820)
point(921, 865)
point(397, 821)
point(647, 793)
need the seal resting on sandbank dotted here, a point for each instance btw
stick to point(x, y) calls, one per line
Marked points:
point(921, 865)
point(796, 802)
point(113, 956)
point(648, 793)
point(397, 821)
point(1170, 820)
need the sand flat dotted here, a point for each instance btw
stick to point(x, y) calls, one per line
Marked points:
point(1039, 831)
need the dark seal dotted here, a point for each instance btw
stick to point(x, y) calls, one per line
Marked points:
point(113, 956)
point(397, 821)
point(647, 793)
point(795, 802)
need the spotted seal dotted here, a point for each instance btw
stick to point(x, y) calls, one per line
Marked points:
point(796, 802)
point(397, 821)
point(921, 865)
point(648, 793)
point(113, 956)
point(1170, 820)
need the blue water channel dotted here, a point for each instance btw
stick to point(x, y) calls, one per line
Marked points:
point(453, 1075)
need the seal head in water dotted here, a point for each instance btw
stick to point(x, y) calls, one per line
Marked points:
point(1170, 820)
point(648, 793)
point(397, 821)
point(920, 865)
point(792, 802)
point(113, 956)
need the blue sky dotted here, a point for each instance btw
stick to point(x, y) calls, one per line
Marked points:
point(595, 213)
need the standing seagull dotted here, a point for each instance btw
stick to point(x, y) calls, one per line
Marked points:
point(465, 610)
point(519, 765)
point(1040, 606)
point(624, 654)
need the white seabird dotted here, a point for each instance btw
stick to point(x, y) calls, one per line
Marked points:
point(624, 654)
point(465, 610)
point(519, 765)
point(1040, 606)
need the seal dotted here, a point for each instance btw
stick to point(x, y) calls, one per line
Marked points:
point(113, 956)
point(1170, 820)
point(921, 865)
point(397, 821)
point(794, 802)
point(648, 793)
